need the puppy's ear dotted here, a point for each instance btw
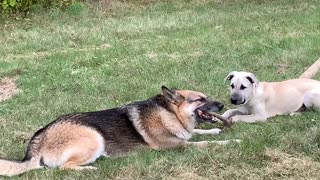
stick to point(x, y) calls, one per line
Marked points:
point(172, 95)
point(252, 78)
point(230, 76)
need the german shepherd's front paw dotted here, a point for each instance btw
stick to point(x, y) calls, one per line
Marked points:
point(213, 131)
point(236, 140)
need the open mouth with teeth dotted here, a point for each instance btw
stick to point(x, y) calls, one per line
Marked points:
point(203, 116)
point(204, 112)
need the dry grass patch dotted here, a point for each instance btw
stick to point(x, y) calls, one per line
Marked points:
point(282, 68)
point(135, 171)
point(8, 88)
point(56, 51)
point(287, 166)
point(186, 173)
point(278, 165)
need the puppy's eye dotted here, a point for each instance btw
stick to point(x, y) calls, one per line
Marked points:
point(232, 86)
point(242, 87)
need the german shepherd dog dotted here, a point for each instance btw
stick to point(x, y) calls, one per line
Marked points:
point(75, 140)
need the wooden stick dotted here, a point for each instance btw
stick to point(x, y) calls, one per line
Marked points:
point(311, 71)
point(226, 122)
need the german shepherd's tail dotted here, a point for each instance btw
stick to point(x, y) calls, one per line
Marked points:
point(32, 159)
point(11, 168)
point(311, 71)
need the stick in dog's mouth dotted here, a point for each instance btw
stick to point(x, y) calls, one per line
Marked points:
point(226, 122)
point(205, 116)
point(212, 116)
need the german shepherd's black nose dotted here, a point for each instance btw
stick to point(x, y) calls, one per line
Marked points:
point(220, 106)
point(212, 106)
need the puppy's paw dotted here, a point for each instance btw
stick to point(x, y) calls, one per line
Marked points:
point(233, 119)
point(229, 141)
point(295, 114)
point(89, 168)
point(226, 115)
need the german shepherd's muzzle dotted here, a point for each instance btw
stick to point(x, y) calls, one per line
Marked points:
point(203, 112)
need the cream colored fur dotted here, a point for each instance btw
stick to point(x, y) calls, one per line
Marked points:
point(262, 100)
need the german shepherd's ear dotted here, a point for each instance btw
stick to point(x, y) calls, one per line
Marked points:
point(172, 95)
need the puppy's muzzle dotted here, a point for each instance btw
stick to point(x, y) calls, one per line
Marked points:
point(237, 100)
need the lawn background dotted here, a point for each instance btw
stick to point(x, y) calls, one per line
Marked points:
point(86, 58)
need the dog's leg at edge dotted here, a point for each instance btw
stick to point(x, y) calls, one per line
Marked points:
point(204, 144)
point(231, 112)
point(213, 131)
point(252, 118)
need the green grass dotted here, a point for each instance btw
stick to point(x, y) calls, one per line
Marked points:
point(184, 44)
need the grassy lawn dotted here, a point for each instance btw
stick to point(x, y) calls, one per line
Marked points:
point(85, 60)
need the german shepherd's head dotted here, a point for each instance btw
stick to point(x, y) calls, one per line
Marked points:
point(191, 104)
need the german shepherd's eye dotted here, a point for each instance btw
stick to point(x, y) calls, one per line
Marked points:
point(242, 87)
point(202, 99)
point(232, 86)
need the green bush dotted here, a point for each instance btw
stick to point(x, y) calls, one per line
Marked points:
point(14, 5)
point(25, 5)
point(76, 8)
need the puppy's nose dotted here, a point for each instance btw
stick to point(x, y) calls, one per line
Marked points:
point(233, 101)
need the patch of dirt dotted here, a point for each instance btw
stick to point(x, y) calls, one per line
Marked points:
point(21, 136)
point(174, 55)
point(291, 166)
point(152, 55)
point(185, 173)
point(128, 173)
point(196, 54)
point(8, 88)
point(282, 68)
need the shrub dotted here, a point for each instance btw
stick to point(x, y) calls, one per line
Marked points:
point(24, 6)
point(76, 8)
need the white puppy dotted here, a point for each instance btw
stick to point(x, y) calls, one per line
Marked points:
point(257, 101)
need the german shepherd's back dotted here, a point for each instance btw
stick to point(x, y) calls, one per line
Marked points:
point(110, 131)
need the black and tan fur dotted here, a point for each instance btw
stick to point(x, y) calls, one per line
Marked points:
point(75, 140)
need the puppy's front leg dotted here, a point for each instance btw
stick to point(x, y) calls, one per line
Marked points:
point(252, 118)
point(204, 144)
point(231, 112)
point(213, 131)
